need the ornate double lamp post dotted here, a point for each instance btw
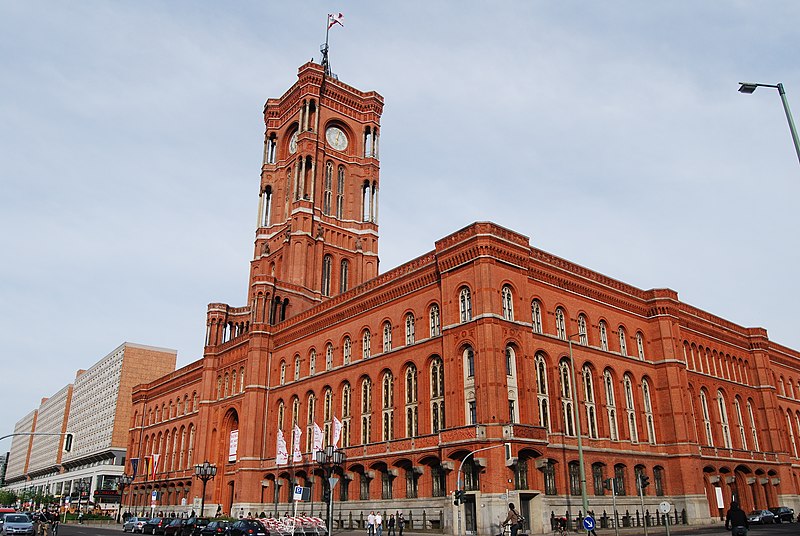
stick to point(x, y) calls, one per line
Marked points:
point(329, 459)
point(204, 472)
point(123, 482)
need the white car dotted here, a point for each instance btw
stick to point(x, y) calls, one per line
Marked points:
point(17, 524)
point(134, 524)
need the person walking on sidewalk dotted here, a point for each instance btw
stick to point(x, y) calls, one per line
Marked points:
point(390, 525)
point(513, 519)
point(379, 524)
point(371, 523)
point(401, 523)
point(736, 520)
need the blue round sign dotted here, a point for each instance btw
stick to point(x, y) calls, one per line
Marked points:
point(588, 523)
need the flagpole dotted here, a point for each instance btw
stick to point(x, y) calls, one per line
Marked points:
point(325, 64)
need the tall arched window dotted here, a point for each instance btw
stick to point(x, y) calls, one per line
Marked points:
point(283, 372)
point(536, 316)
point(312, 362)
point(410, 329)
point(435, 321)
point(327, 261)
point(437, 395)
point(412, 411)
point(388, 406)
point(567, 405)
point(366, 411)
point(327, 415)
point(706, 418)
point(561, 324)
point(347, 348)
point(296, 367)
point(648, 413)
point(344, 271)
point(327, 196)
point(603, 329)
point(737, 407)
point(542, 398)
point(589, 402)
point(387, 336)
point(328, 356)
point(790, 431)
point(753, 426)
point(508, 303)
point(623, 346)
point(630, 408)
point(310, 420)
point(583, 335)
point(366, 337)
point(465, 304)
point(640, 345)
point(469, 362)
point(340, 193)
point(723, 419)
point(346, 415)
point(658, 480)
point(611, 405)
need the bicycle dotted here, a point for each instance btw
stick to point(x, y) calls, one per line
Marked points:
point(561, 529)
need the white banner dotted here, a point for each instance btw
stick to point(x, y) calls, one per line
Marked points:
point(233, 446)
point(281, 453)
point(297, 456)
point(337, 431)
point(317, 443)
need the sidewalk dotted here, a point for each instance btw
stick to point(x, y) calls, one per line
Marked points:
point(705, 530)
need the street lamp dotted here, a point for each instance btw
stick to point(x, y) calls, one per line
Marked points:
point(81, 486)
point(575, 412)
point(329, 459)
point(749, 87)
point(123, 482)
point(204, 472)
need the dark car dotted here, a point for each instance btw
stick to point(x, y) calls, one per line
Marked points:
point(782, 513)
point(246, 527)
point(193, 526)
point(761, 517)
point(155, 525)
point(174, 527)
point(214, 528)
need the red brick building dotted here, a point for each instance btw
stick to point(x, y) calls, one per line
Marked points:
point(463, 348)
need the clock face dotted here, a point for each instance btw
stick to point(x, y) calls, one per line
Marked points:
point(336, 138)
point(293, 143)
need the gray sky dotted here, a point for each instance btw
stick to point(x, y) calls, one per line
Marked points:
point(610, 133)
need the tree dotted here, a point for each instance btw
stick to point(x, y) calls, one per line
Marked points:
point(7, 497)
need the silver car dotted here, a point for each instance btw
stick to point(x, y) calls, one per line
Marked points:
point(17, 524)
point(135, 524)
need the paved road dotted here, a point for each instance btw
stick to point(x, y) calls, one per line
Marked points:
point(756, 530)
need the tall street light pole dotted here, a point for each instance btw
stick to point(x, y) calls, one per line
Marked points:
point(578, 428)
point(329, 459)
point(749, 87)
point(204, 472)
point(123, 482)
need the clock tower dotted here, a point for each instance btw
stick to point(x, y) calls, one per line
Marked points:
point(317, 229)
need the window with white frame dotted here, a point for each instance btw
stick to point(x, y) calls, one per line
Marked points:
point(510, 360)
point(648, 413)
point(753, 426)
point(347, 348)
point(346, 414)
point(312, 411)
point(567, 406)
point(465, 304)
point(296, 367)
point(366, 338)
point(561, 324)
point(388, 406)
point(630, 408)
point(366, 411)
point(387, 336)
point(469, 362)
point(283, 374)
point(412, 410)
point(603, 330)
point(508, 303)
point(312, 362)
point(737, 407)
point(790, 431)
point(589, 402)
point(410, 329)
point(327, 415)
point(536, 316)
point(640, 345)
point(435, 321)
point(611, 406)
point(723, 419)
point(623, 346)
point(328, 356)
point(437, 395)
point(583, 335)
point(542, 397)
point(327, 262)
point(706, 418)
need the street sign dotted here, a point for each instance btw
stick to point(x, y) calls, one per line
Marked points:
point(333, 481)
point(298, 493)
point(664, 507)
point(588, 523)
point(153, 497)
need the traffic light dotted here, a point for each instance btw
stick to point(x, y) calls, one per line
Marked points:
point(67, 442)
point(458, 497)
point(644, 481)
point(608, 483)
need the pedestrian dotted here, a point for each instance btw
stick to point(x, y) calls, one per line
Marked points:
point(371, 523)
point(591, 514)
point(379, 524)
point(390, 524)
point(80, 518)
point(736, 520)
point(401, 523)
point(513, 519)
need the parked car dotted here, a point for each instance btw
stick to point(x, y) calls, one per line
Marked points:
point(761, 516)
point(134, 524)
point(17, 524)
point(214, 528)
point(155, 525)
point(193, 526)
point(246, 527)
point(174, 527)
point(783, 513)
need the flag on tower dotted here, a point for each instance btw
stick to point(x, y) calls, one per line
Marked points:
point(297, 456)
point(282, 454)
point(337, 431)
point(155, 465)
point(335, 18)
point(134, 466)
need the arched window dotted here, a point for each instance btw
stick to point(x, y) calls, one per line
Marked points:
point(469, 362)
point(583, 335)
point(387, 336)
point(623, 347)
point(599, 478)
point(640, 345)
point(723, 419)
point(340, 193)
point(706, 418)
point(327, 261)
point(437, 395)
point(365, 344)
point(619, 479)
point(567, 405)
point(346, 350)
point(561, 324)
point(327, 196)
point(266, 203)
point(295, 411)
point(327, 414)
point(508, 303)
point(630, 408)
point(737, 407)
point(328, 356)
point(409, 329)
point(312, 362)
point(536, 316)
point(281, 413)
point(241, 380)
point(648, 413)
point(603, 329)
point(412, 410)
point(543, 400)
point(658, 480)
point(465, 304)
point(388, 406)
point(343, 274)
point(435, 321)
point(296, 367)
point(310, 420)
point(366, 410)
point(790, 431)
point(589, 402)
point(283, 372)
point(346, 415)
point(753, 426)
point(574, 471)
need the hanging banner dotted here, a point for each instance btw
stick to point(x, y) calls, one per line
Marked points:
point(134, 466)
point(337, 431)
point(281, 452)
point(317, 443)
point(156, 457)
point(297, 456)
point(233, 445)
